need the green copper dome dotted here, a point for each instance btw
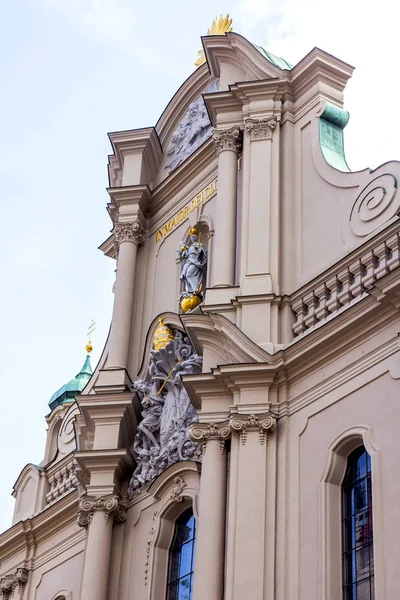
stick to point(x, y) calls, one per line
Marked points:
point(275, 60)
point(73, 387)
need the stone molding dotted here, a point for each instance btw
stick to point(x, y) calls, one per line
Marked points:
point(16, 579)
point(178, 486)
point(130, 231)
point(227, 139)
point(110, 505)
point(264, 423)
point(202, 432)
point(260, 129)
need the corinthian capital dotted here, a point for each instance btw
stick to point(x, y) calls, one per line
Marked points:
point(202, 432)
point(110, 505)
point(261, 129)
point(227, 139)
point(16, 579)
point(129, 231)
point(263, 423)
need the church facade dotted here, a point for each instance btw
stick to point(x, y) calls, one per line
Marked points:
point(238, 437)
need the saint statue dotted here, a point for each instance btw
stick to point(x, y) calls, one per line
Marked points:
point(193, 258)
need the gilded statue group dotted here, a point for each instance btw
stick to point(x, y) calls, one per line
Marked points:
point(162, 436)
point(193, 259)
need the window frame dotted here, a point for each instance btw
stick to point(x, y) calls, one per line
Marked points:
point(331, 511)
point(178, 547)
point(357, 521)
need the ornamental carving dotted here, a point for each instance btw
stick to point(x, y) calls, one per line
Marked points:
point(194, 129)
point(131, 231)
point(263, 423)
point(148, 548)
point(227, 139)
point(110, 505)
point(261, 129)
point(376, 204)
point(16, 579)
point(177, 489)
point(162, 436)
point(202, 432)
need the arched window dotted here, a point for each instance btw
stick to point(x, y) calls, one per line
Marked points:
point(357, 532)
point(181, 557)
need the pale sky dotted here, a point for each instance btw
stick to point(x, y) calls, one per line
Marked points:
point(73, 70)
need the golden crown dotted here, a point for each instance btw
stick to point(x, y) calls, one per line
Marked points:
point(163, 334)
point(193, 231)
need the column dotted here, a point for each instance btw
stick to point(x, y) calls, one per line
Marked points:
point(227, 145)
point(98, 515)
point(128, 236)
point(210, 537)
point(251, 535)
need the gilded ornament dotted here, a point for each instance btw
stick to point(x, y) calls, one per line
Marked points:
point(219, 26)
point(162, 335)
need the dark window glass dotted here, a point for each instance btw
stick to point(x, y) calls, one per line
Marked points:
point(181, 557)
point(357, 534)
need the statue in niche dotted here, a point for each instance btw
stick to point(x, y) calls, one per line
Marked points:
point(194, 261)
point(162, 437)
point(194, 129)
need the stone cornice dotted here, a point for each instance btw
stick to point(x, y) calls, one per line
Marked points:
point(229, 106)
point(137, 141)
point(229, 47)
point(28, 534)
point(110, 505)
point(131, 202)
point(347, 332)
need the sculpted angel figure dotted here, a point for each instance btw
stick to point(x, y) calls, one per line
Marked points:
point(194, 261)
point(152, 404)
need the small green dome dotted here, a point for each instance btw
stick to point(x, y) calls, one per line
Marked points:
point(73, 387)
point(275, 60)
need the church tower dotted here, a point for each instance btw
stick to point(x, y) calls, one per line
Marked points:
point(237, 438)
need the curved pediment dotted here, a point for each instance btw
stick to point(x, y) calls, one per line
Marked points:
point(220, 342)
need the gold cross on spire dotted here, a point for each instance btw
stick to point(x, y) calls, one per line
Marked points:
point(92, 327)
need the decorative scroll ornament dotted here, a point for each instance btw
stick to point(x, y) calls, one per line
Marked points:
point(264, 423)
point(110, 505)
point(376, 204)
point(16, 579)
point(261, 129)
point(194, 262)
point(131, 231)
point(227, 139)
point(162, 436)
point(202, 432)
point(194, 129)
point(177, 489)
point(148, 548)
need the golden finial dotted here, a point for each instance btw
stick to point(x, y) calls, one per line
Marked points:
point(219, 26)
point(89, 346)
point(162, 335)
